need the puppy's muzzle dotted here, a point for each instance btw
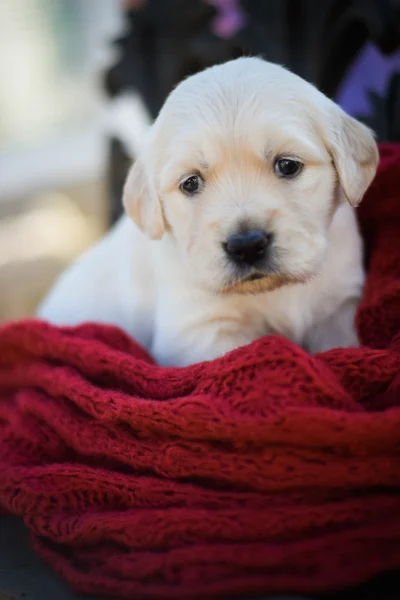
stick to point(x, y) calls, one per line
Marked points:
point(248, 249)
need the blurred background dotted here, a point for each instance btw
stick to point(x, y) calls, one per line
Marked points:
point(81, 80)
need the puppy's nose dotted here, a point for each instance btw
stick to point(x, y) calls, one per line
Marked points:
point(247, 248)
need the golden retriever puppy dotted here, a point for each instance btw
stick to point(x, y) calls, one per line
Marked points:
point(241, 222)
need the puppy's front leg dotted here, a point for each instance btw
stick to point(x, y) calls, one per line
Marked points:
point(202, 341)
point(197, 346)
point(337, 331)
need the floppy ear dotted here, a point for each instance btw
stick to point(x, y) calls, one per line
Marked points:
point(142, 202)
point(354, 152)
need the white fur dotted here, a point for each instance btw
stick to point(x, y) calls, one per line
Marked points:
point(166, 279)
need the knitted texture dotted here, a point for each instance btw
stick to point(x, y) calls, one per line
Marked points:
point(267, 470)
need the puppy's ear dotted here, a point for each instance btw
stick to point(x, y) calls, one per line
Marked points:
point(354, 153)
point(142, 202)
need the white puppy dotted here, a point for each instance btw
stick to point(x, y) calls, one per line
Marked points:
point(242, 227)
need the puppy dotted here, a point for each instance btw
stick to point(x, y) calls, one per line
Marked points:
point(241, 222)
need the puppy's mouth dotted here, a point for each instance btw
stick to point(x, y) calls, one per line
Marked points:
point(254, 277)
point(256, 283)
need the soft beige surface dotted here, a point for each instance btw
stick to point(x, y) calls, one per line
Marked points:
point(40, 236)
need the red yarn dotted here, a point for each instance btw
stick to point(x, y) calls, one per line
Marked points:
point(267, 470)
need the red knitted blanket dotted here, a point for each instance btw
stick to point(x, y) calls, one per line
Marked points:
point(267, 470)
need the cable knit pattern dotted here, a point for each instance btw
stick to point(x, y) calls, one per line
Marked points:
point(267, 470)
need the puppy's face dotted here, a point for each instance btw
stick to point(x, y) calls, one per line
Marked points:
point(249, 207)
point(245, 167)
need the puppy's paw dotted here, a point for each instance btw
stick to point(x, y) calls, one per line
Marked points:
point(199, 345)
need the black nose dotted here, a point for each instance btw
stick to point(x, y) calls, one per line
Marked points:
point(247, 248)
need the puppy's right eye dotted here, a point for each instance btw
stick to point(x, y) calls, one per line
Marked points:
point(287, 167)
point(191, 185)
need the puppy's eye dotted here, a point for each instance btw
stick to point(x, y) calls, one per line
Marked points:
point(288, 167)
point(191, 185)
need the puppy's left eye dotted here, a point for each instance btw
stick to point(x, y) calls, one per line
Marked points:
point(191, 185)
point(288, 167)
